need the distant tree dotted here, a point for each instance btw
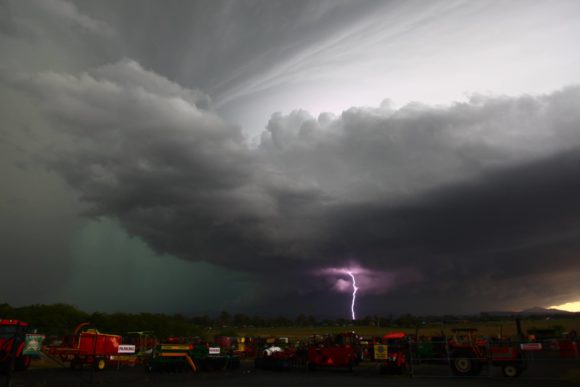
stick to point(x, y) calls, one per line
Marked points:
point(258, 321)
point(224, 319)
point(203, 321)
point(407, 321)
point(241, 320)
point(281, 321)
point(301, 320)
point(312, 320)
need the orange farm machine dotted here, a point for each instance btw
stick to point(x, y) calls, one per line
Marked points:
point(91, 347)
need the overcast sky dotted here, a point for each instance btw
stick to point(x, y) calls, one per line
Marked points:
point(199, 156)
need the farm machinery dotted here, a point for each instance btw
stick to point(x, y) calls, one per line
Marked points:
point(93, 348)
point(341, 350)
point(182, 357)
point(467, 354)
point(17, 346)
point(391, 351)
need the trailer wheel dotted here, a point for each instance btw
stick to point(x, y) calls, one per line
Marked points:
point(464, 364)
point(100, 364)
point(511, 370)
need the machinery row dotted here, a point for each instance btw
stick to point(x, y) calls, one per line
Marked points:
point(463, 351)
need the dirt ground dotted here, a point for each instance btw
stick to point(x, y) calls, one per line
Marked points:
point(362, 376)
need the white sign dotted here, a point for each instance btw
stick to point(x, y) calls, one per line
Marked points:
point(126, 348)
point(531, 346)
point(214, 350)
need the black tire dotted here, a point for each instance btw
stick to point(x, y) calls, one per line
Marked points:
point(22, 363)
point(311, 367)
point(511, 370)
point(465, 364)
point(4, 368)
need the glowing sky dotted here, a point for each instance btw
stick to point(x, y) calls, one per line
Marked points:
point(248, 146)
point(569, 306)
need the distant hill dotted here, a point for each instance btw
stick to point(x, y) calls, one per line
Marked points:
point(535, 311)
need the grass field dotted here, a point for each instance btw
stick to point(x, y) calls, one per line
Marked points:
point(506, 328)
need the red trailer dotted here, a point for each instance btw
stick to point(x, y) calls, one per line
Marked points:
point(342, 350)
point(88, 347)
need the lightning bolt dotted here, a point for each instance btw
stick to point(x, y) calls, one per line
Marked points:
point(354, 289)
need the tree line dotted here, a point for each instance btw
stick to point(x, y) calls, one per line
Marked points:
point(61, 319)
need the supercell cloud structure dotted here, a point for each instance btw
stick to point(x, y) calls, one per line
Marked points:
point(442, 198)
point(468, 205)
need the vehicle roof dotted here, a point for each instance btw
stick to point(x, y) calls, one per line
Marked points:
point(13, 322)
point(395, 335)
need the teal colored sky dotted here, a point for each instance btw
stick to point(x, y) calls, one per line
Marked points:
point(117, 272)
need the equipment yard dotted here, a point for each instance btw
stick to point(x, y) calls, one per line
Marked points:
point(458, 356)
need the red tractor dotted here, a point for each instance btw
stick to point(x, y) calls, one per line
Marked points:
point(468, 354)
point(16, 345)
point(342, 350)
point(391, 350)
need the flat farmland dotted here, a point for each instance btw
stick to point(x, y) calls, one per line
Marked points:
point(506, 328)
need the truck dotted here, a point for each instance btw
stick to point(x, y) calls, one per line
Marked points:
point(342, 350)
point(17, 345)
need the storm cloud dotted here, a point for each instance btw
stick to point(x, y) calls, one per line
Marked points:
point(443, 198)
point(245, 145)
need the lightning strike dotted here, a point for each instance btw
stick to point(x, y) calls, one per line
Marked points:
point(354, 289)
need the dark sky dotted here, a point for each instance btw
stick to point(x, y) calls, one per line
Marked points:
point(195, 156)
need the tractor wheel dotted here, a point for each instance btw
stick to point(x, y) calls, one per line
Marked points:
point(464, 364)
point(22, 363)
point(100, 364)
point(4, 368)
point(311, 367)
point(511, 370)
point(76, 365)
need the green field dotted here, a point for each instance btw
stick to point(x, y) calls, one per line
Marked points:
point(506, 328)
